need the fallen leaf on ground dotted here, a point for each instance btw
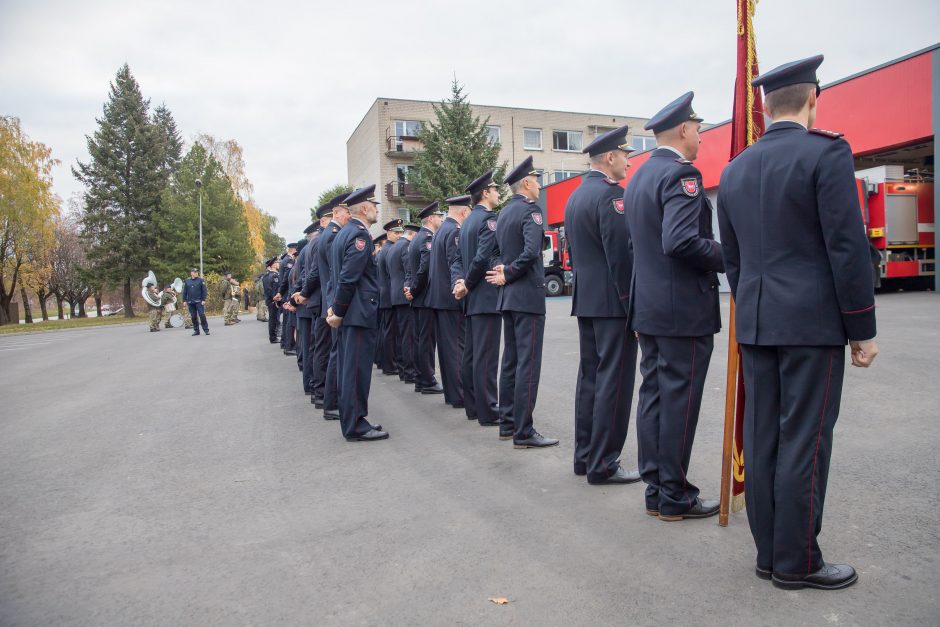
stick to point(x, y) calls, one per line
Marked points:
point(499, 600)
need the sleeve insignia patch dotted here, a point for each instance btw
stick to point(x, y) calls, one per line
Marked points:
point(537, 217)
point(360, 243)
point(690, 187)
point(491, 224)
point(618, 205)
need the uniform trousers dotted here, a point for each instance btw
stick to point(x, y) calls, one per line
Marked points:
point(305, 351)
point(288, 325)
point(404, 317)
point(391, 359)
point(197, 311)
point(272, 321)
point(355, 346)
point(604, 394)
point(520, 371)
point(381, 320)
point(449, 329)
point(466, 372)
point(792, 396)
point(321, 354)
point(482, 344)
point(331, 384)
point(673, 370)
point(424, 346)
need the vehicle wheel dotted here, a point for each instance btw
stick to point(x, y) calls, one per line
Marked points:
point(553, 285)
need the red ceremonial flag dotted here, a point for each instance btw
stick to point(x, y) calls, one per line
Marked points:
point(747, 125)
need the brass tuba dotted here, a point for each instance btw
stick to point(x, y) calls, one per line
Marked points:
point(150, 279)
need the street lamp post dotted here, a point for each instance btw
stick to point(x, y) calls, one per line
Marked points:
point(199, 187)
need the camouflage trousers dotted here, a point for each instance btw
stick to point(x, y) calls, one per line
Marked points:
point(230, 310)
point(156, 313)
point(262, 311)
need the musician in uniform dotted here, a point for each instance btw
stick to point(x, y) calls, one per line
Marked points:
point(271, 282)
point(521, 301)
point(602, 265)
point(416, 291)
point(448, 314)
point(801, 294)
point(353, 312)
point(155, 307)
point(169, 305)
point(228, 299)
point(195, 295)
point(477, 254)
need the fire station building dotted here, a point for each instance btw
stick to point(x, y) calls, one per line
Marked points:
point(890, 115)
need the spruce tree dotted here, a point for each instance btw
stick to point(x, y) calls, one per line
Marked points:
point(171, 141)
point(226, 242)
point(456, 150)
point(123, 182)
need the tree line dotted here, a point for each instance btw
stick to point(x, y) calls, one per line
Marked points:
point(139, 209)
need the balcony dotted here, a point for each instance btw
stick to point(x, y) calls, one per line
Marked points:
point(402, 192)
point(401, 146)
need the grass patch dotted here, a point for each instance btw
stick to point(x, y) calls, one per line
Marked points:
point(72, 323)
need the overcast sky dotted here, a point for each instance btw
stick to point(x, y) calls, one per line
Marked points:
point(291, 80)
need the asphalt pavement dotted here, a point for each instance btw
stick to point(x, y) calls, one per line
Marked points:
point(164, 479)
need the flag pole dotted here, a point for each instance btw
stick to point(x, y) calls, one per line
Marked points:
point(727, 448)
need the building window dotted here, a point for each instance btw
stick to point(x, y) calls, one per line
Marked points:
point(532, 138)
point(407, 128)
point(561, 175)
point(642, 143)
point(402, 173)
point(540, 174)
point(493, 134)
point(566, 141)
point(404, 214)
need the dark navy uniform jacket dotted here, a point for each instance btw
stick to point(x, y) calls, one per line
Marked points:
point(395, 266)
point(599, 245)
point(356, 294)
point(385, 295)
point(287, 264)
point(194, 290)
point(476, 255)
point(519, 236)
point(300, 276)
point(419, 265)
point(312, 288)
point(794, 241)
point(675, 256)
point(444, 246)
point(270, 283)
point(324, 261)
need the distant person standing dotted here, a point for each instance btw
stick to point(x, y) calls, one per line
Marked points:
point(194, 295)
point(416, 291)
point(229, 299)
point(270, 283)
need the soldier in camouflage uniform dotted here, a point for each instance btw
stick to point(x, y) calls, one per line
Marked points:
point(155, 313)
point(227, 299)
point(169, 305)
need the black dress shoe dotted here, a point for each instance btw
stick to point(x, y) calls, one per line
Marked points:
point(702, 509)
point(536, 440)
point(490, 423)
point(389, 372)
point(763, 573)
point(290, 352)
point(829, 577)
point(620, 476)
point(331, 414)
point(308, 392)
point(457, 405)
point(274, 341)
point(317, 401)
point(369, 436)
point(580, 469)
point(406, 380)
point(434, 389)
point(207, 331)
point(195, 332)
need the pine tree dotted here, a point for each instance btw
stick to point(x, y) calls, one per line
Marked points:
point(123, 182)
point(226, 241)
point(172, 143)
point(456, 150)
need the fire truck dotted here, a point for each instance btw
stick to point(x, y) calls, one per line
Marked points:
point(898, 213)
point(556, 262)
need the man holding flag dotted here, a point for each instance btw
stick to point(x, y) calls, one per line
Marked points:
point(801, 294)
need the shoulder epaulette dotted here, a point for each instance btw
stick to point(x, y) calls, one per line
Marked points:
point(610, 181)
point(361, 228)
point(683, 161)
point(825, 133)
